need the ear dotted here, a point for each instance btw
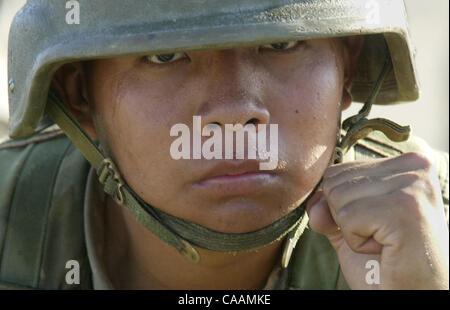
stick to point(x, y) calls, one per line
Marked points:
point(70, 81)
point(353, 46)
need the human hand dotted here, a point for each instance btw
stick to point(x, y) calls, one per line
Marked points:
point(388, 210)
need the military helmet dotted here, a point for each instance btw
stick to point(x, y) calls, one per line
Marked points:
point(41, 39)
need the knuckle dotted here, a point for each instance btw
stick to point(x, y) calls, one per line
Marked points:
point(419, 183)
point(354, 242)
point(424, 184)
point(419, 160)
point(343, 215)
point(426, 187)
point(409, 204)
point(411, 177)
point(406, 198)
point(336, 195)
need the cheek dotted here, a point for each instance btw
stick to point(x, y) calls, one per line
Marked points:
point(308, 116)
point(138, 118)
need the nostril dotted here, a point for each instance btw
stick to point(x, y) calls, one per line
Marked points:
point(253, 121)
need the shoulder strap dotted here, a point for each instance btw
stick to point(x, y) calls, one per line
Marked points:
point(41, 212)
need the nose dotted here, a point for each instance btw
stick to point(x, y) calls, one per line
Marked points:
point(234, 93)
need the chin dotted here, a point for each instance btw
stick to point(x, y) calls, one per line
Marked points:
point(240, 215)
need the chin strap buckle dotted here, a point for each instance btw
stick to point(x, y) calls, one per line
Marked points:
point(189, 252)
point(109, 176)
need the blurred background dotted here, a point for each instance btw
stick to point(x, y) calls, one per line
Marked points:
point(428, 117)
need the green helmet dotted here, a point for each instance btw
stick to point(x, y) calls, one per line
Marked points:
point(41, 40)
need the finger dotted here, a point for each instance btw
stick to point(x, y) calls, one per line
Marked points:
point(337, 174)
point(314, 199)
point(366, 224)
point(320, 218)
point(366, 186)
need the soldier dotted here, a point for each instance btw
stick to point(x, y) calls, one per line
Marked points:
point(102, 189)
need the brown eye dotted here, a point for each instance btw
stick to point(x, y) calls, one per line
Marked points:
point(165, 58)
point(281, 46)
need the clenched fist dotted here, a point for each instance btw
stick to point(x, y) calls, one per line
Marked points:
point(388, 210)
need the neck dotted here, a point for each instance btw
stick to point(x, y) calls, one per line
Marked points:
point(137, 259)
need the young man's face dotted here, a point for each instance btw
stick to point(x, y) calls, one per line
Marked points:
point(135, 101)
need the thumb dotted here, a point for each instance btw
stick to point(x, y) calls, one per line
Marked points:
point(320, 218)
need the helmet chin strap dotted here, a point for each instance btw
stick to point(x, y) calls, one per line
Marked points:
point(184, 235)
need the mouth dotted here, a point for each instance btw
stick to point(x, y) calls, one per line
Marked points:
point(234, 178)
